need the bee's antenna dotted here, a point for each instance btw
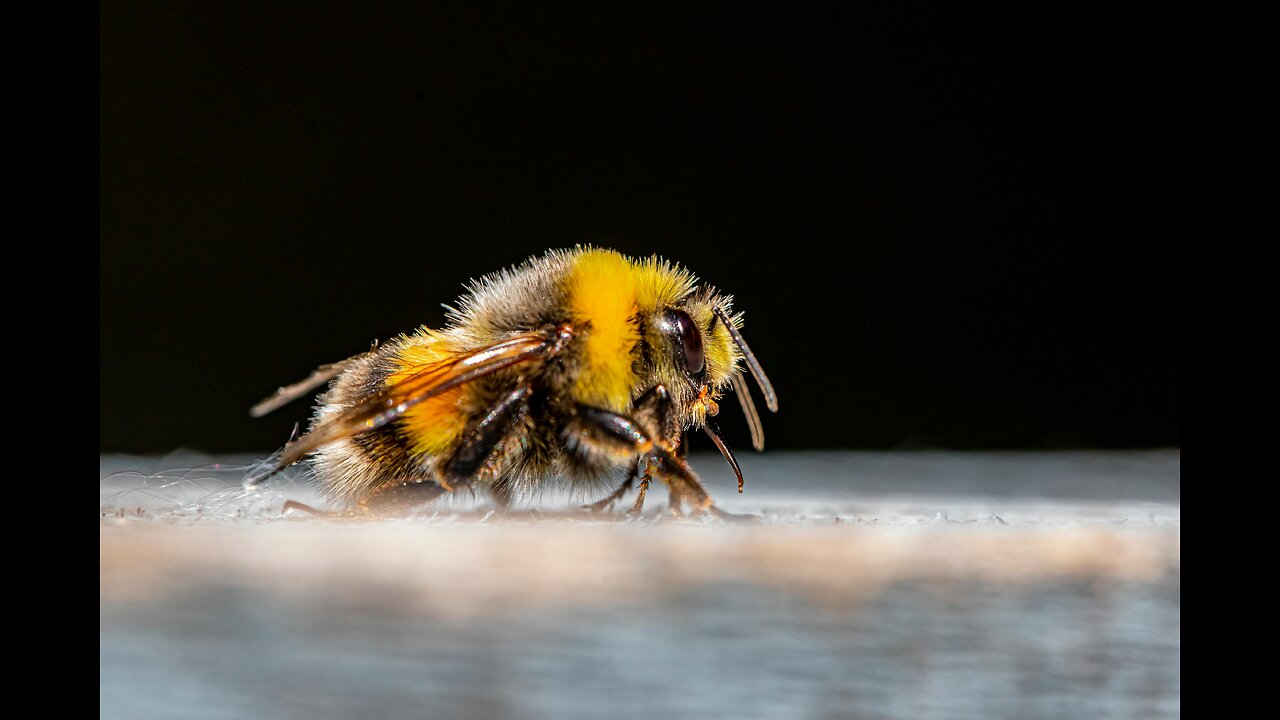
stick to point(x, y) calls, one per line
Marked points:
point(749, 409)
point(724, 450)
point(289, 393)
point(757, 372)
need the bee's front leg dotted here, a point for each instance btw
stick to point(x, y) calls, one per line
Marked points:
point(613, 433)
point(653, 409)
point(652, 412)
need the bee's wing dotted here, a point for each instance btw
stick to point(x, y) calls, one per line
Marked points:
point(289, 393)
point(426, 381)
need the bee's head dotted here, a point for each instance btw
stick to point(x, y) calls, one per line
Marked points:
point(690, 343)
point(701, 339)
point(702, 359)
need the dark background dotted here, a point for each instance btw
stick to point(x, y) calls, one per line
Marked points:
point(951, 227)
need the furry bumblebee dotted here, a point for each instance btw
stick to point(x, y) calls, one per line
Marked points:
point(571, 367)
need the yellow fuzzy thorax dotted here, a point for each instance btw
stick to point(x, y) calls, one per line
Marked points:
point(433, 425)
point(605, 292)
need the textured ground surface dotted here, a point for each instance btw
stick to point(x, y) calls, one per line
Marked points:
point(884, 585)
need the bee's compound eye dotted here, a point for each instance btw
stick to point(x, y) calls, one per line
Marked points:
point(679, 322)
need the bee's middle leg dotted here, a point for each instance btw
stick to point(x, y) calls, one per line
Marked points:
point(645, 479)
point(483, 437)
point(607, 502)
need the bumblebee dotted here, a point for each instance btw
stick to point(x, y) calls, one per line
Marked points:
point(573, 367)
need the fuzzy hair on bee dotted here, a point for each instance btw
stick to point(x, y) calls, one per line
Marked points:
point(575, 368)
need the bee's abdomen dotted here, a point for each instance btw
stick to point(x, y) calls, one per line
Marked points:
point(353, 467)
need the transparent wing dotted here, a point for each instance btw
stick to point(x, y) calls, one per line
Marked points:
point(425, 382)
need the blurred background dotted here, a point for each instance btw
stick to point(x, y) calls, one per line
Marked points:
point(949, 227)
point(955, 232)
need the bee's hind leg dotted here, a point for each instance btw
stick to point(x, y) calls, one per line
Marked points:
point(295, 505)
point(398, 498)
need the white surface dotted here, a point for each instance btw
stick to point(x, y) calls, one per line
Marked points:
point(887, 585)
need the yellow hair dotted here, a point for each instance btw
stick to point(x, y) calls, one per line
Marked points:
point(601, 290)
point(605, 291)
point(659, 284)
point(433, 425)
